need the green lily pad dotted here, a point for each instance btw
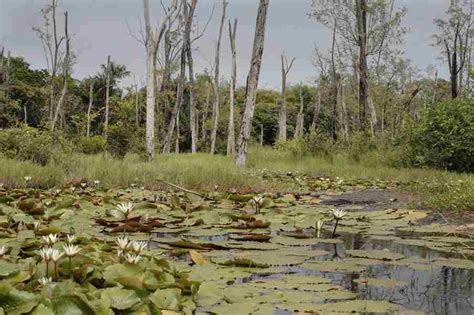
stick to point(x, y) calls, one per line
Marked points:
point(120, 299)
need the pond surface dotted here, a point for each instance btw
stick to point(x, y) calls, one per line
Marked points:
point(220, 256)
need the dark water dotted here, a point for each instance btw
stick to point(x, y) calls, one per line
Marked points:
point(441, 290)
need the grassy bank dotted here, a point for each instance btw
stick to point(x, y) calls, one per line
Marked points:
point(439, 189)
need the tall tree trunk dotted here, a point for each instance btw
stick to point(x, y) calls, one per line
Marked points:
point(65, 74)
point(233, 78)
point(252, 84)
point(361, 12)
point(152, 44)
point(178, 103)
point(335, 79)
point(261, 135)
point(215, 107)
point(299, 129)
point(205, 112)
point(192, 106)
point(454, 73)
point(435, 88)
point(107, 97)
point(137, 115)
point(285, 69)
point(176, 147)
point(89, 108)
point(317, 109)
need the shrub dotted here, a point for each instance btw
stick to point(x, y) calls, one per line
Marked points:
point(119, 140)
point(92, 145)
point(26, 144)
point(320, 144)
point(444, 137)
point(296, 147)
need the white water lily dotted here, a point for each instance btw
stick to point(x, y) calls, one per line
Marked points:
point(132, 258)
point(27, 178)
point(97, 182)
point(138, 246)
point(339, 213)
point(126, 208)
point(122, 243)
point(56, 254)
point(70, 238)
point(50, 239)
point(71, 250)
point(3, 250)
point(45, 280)
point(46, 253)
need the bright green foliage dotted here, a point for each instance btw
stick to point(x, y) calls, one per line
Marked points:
point(92, 145)
point(26, 144)
point(444, 137)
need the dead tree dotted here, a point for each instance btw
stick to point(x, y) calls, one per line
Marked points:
point(285, 69)
point(361, 14)
point(89, 108)
point(252, 84)
point(180, 91)
point(192, 107)
point(137, 119)
point(107, 97)
point(152, 43)
point(233, 78)
point(317, 109)
point(65, 65)
point(215, 85)
point(299, 129)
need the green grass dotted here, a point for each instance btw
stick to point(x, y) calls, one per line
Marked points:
point(439, 189)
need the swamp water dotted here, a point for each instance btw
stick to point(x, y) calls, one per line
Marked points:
point(381, 260)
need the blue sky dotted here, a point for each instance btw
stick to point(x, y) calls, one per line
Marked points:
point(102, 27)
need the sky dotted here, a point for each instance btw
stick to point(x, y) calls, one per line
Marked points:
point(110, 27)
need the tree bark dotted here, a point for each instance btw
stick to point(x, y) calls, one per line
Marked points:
point(65, 74)
point(361, 13)
point(300, 117)
point(189, 55)
point(152, 45)
point(215, 107)
point(205, 112)
point(107, 97)
point(233, 78)
point(317, 109)
point(252, 83)
point(89, 108)
point(285, 69)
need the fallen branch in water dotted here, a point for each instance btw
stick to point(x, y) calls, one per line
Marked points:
point(184, 189)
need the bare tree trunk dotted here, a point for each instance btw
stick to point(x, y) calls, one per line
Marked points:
point(285, 69)
point(373, 116)
point(25, 115)
point(176, 147)
point(65, 74)
point(89, 108)
point(344, 120)
point(179, 102)
point(192, 106)
point(107, 97)
point(152, 45)
point(205, 112)
point(435, 87)
point(335, 79)
point(252, 83)
point(261, 135)
point(215, 107)
point(361, 10)
point(137, 119)
point(299, 130)
point(317, 109)
point(233, 78)
point(180, 91)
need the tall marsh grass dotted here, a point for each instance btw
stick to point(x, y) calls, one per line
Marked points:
point(206, 172)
